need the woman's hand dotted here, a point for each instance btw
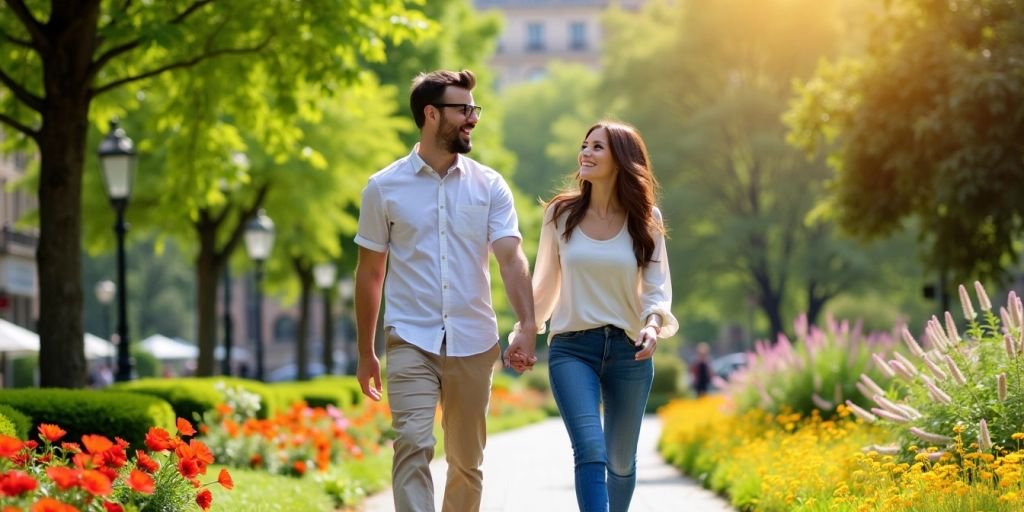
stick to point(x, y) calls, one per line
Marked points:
point(646, 342)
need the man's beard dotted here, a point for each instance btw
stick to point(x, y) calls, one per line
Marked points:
point(451, 138)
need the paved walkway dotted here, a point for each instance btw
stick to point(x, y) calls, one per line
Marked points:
point(530, 469)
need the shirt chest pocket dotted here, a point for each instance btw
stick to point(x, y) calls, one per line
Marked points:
point(471, 222)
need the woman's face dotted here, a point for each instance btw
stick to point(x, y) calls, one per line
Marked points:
point(595, 157)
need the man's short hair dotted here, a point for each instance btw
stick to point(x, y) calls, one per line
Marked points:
point(428, 88)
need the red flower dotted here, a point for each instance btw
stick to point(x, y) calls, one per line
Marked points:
point(16, 483)
point(300, 467)
point(71, 447)
point(96, 444)
point(189, 467)
point(225, 479)
point(204, 499)
point(96, 483)
point(185, 428)
point(52, 505)
point(158, 440)
point(141, 482)
point(145, 462)
point(10, 446)
point(112, 507)
point(201, 451)
point(51, 432)
point(65, 477)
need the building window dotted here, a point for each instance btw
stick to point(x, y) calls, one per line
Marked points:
point(535, 37)
point(577, 36)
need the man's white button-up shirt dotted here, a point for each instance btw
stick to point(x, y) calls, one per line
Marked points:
point(438, 233)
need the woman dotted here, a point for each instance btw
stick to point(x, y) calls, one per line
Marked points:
point(602, 276)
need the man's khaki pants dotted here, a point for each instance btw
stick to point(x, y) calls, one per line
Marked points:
point(417, 382)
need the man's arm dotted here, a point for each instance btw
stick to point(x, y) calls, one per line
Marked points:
point(515, 273)
point(370, 272)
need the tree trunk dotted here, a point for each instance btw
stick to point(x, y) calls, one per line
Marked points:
point(328, 335)
point(305, 273)
point(71, 40)
point(208, 267)
point(58, 256)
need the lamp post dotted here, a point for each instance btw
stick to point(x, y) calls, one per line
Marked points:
point(117, 157)
point(324, 274)
point(105, 291)
point(259, 240)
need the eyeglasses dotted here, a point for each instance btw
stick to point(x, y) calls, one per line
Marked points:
point(467, 109)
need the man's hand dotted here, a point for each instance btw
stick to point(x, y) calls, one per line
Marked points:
point(521, 352)
point(367, 372)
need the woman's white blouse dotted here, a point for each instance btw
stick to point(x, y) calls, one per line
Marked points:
point(586, 283)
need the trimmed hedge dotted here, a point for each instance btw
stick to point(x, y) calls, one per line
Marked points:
point(84, 411)
point(192, 396)
point(21, 423)
point(342, 392)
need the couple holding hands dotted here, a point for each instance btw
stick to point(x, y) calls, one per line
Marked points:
point(428, 222)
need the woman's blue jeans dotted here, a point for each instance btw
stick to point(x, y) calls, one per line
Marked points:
point(589, 368)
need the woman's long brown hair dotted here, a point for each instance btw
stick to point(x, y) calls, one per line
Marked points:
point(635, 188)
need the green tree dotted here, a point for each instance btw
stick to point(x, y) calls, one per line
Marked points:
point(927, 125)
point(62, 60)
point(707, 83)
point(533, 113)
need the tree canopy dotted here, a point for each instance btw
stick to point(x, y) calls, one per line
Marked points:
point(927, 125)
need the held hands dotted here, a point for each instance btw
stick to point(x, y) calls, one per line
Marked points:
point(521, 352)
point(646, 342)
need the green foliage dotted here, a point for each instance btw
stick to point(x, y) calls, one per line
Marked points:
point(259, 491)
point(814, 373)
point(191, 397)
point(927, 125)
point(146, 364)
point(7, 427)
point(533, 111)
point(352, 480)
point(79, 412)
point(341, 392)
point(21, 425)
point(961, 394)
point(707, 83)
point(24, 373)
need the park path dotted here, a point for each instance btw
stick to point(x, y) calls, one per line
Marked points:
point(530, 469)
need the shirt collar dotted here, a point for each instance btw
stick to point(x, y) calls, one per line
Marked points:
point(419, 165)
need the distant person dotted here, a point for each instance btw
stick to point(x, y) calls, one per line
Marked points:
point(602, 276)
point(700, 370)
point(429, 221)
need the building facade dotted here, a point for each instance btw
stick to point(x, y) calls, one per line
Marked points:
point(19, 288)
point(538, 33)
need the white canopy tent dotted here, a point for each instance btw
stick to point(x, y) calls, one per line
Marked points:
point(168, 349)
point(16, 340)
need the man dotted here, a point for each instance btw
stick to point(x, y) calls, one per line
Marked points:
point(427, 221)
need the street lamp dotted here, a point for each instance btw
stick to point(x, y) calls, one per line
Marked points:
point(117, 157)
point(259, 240)
point(324, 274)
point(105, 291)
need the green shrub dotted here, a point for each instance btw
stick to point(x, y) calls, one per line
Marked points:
point(188, 397)
point(21, 423)
point(7, 427)
point(146, 364)
point(23, 374)
point(539, 379)
point(818, 371)
point(192, 396)
point(668, 369)
point(342, 392)
point(953, 387)
point(83, 411)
